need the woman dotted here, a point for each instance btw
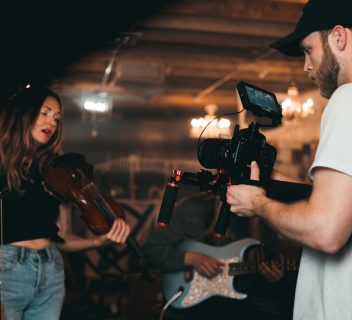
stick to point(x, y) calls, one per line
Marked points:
point(33, 223)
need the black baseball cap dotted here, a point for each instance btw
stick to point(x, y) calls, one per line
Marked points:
point(316, 15)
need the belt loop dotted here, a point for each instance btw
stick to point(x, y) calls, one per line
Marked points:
point(21, 254)
point(49, 253)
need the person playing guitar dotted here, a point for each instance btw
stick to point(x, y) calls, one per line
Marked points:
point(191, 258)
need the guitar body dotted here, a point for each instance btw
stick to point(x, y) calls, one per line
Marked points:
point(200, 288)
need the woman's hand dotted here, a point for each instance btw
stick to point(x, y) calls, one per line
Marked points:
point(118, 233)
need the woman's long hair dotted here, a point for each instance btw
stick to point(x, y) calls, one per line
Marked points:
point(18, 150)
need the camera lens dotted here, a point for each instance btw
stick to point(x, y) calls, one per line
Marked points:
point(212, 153)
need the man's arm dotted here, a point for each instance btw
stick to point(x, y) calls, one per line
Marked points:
point(323, 222)
point(278, 175)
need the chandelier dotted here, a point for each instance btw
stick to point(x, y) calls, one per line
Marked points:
point(215, 127)
point(292, 108)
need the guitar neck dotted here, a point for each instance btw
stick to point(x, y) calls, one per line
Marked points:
point(251, 267)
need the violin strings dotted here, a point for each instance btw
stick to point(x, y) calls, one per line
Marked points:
point(100, 201)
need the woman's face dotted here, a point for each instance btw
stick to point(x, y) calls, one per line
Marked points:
point(47, 121)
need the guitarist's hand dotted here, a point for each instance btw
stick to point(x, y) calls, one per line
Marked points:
point(271, 272)
point(205, 265)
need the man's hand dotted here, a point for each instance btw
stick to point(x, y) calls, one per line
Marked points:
point(244, 199)
point(271, 272)
point(205, 265)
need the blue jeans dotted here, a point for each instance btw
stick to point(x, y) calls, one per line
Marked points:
point(31, 283)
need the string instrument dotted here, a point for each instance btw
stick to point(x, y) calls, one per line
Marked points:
point(195, 288)
point(71, 178)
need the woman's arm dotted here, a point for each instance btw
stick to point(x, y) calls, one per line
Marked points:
point(117, 234)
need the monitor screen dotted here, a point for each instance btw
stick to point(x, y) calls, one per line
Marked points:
point(259, 101)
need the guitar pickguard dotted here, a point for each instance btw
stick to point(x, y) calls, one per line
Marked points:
point(201, 288)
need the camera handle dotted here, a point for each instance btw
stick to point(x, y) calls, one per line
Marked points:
point(217, 184)
point(167, 205)
point(201, 179)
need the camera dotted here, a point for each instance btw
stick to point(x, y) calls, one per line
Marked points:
point(232, 158)
point(235, 155)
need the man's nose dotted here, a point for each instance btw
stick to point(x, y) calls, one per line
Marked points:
point(307, 65)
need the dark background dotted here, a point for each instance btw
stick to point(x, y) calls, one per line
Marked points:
point(39, 38)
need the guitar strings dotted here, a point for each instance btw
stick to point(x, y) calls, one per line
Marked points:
point(243, 268)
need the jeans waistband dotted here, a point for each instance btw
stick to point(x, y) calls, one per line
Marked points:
point(23, 253)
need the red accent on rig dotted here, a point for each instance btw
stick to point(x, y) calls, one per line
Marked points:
point(172, 184)
point(162, 224)
point(218, 235)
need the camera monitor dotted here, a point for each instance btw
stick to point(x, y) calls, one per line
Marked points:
point(260, 102)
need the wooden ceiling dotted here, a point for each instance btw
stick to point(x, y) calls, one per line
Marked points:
point(161, 61)
point(186, 54)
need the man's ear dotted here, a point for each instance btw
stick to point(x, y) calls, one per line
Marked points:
point(339, 37)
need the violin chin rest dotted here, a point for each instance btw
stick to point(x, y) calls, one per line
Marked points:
point(75, 160)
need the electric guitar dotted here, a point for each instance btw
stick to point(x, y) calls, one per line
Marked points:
point(196, 289)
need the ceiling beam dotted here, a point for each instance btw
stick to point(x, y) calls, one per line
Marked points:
point(243, 9)
point(202, 38)
point(219, 25)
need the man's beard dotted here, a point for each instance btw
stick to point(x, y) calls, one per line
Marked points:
point(328, 72)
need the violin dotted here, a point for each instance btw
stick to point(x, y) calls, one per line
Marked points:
point(2, 312)
point(71, 178)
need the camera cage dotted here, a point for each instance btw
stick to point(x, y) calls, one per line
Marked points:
point(261, 103)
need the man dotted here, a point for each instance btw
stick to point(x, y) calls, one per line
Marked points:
point(322, 223)
point(270, 293)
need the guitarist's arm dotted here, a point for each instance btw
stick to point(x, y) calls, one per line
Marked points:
point(205, 265)
point(189, 221)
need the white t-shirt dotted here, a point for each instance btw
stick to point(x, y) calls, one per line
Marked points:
point(324, 285)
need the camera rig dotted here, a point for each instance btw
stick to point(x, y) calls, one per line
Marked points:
point(232, 158)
